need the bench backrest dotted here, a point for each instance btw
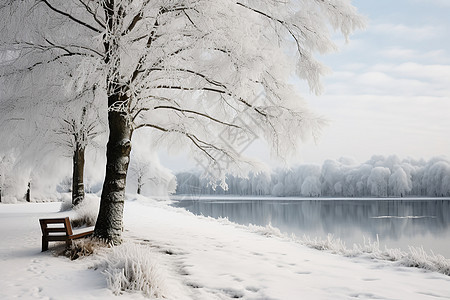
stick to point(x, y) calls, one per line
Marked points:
point(57, 225)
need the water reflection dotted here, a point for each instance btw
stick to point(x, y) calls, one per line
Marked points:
point(398, 223)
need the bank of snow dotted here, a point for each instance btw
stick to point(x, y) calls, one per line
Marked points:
point(201, 258)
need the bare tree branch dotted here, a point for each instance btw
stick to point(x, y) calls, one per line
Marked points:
point(71, 17)
point(197, 113)
point(208, 89)
point(93, 13)
point(281, 22)
point(200, 144)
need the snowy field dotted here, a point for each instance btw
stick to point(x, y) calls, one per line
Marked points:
point(199, 258)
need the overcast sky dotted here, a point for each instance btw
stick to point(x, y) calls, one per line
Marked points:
point(389, 92)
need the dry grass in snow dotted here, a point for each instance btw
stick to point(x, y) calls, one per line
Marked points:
point(132, 267)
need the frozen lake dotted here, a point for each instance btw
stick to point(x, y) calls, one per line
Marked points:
point(399, 223)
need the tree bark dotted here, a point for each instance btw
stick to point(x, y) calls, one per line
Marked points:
point(110, 217)
point(78, 175)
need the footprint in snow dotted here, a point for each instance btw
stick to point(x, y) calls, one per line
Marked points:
point(303, 272)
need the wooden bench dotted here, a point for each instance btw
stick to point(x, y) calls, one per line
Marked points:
point(59, 230)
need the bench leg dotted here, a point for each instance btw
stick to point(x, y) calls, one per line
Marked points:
point(44, 244)
point(68, 243)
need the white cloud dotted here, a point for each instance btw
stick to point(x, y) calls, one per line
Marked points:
point(434, 72)
point(399, 53)
point(403, 79)
point(362, 125)
point(377, 83)
point(354, 67)
point(434, 56)
point(407, 32)
point(436, 76)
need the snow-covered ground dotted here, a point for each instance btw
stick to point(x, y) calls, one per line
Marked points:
point(200, 258)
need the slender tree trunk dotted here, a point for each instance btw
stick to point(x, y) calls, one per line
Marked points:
point(78, 175)
point(109, 221)
point(28, 194)
point(139, 184)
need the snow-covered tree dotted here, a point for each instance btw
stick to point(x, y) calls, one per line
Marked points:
point(6, 163)
point(77, 130)
point(311, 187)
point(150, 179)
point(378, 181)
point(399, 183)
point(436, 178)
point(262, 184)
point(410, 177)
point(188, 183)
point(140, 170)
point(278, 190)
point(210, 73)
point(330, 176)
point(37, 128)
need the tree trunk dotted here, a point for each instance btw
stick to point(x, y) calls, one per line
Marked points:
point(28, 194)
point(77, 176)
point(110, 217)
point(139, 184)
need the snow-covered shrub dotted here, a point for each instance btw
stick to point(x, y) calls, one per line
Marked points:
point(86, 212)
point(419, 258)
point(66, 202)
point(335, 245)
point(9, 199)
point(267, 230)
point(42, 196)
point(416, 257)
point(132, 267)
point(65, 186)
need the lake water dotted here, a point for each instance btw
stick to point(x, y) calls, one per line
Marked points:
point(398, 223)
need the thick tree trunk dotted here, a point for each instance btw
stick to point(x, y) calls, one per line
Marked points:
point(109, 221)
point(77, 176)
point(110, 217)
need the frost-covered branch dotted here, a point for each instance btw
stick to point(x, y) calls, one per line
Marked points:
point(71, 17)
point(94, 12)
point(196, 113)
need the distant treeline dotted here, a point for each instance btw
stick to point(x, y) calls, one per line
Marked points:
point(379, 177)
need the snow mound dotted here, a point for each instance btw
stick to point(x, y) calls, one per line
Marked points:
point(86, 212)
point(131, 267)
